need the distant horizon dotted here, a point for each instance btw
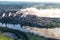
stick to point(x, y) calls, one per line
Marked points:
point(30, 1)
point(48, 1)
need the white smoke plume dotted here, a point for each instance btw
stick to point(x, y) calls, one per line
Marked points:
point(3, 15)
point(53, 13)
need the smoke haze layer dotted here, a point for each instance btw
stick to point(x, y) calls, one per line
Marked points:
point(53, 13)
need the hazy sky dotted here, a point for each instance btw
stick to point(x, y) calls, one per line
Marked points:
point(35, 0)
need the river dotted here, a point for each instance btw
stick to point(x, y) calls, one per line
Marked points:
point(14, 26)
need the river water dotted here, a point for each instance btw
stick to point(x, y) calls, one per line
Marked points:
point(14, 26)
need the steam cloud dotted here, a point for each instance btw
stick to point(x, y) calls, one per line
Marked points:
point(53, 13)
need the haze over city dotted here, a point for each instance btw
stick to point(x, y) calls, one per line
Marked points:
point(55, 1)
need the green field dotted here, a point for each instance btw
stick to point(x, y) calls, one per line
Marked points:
point(31, 36)
point(5, 38)
point(34, 37)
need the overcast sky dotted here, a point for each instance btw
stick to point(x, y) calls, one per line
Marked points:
point(58, 1)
